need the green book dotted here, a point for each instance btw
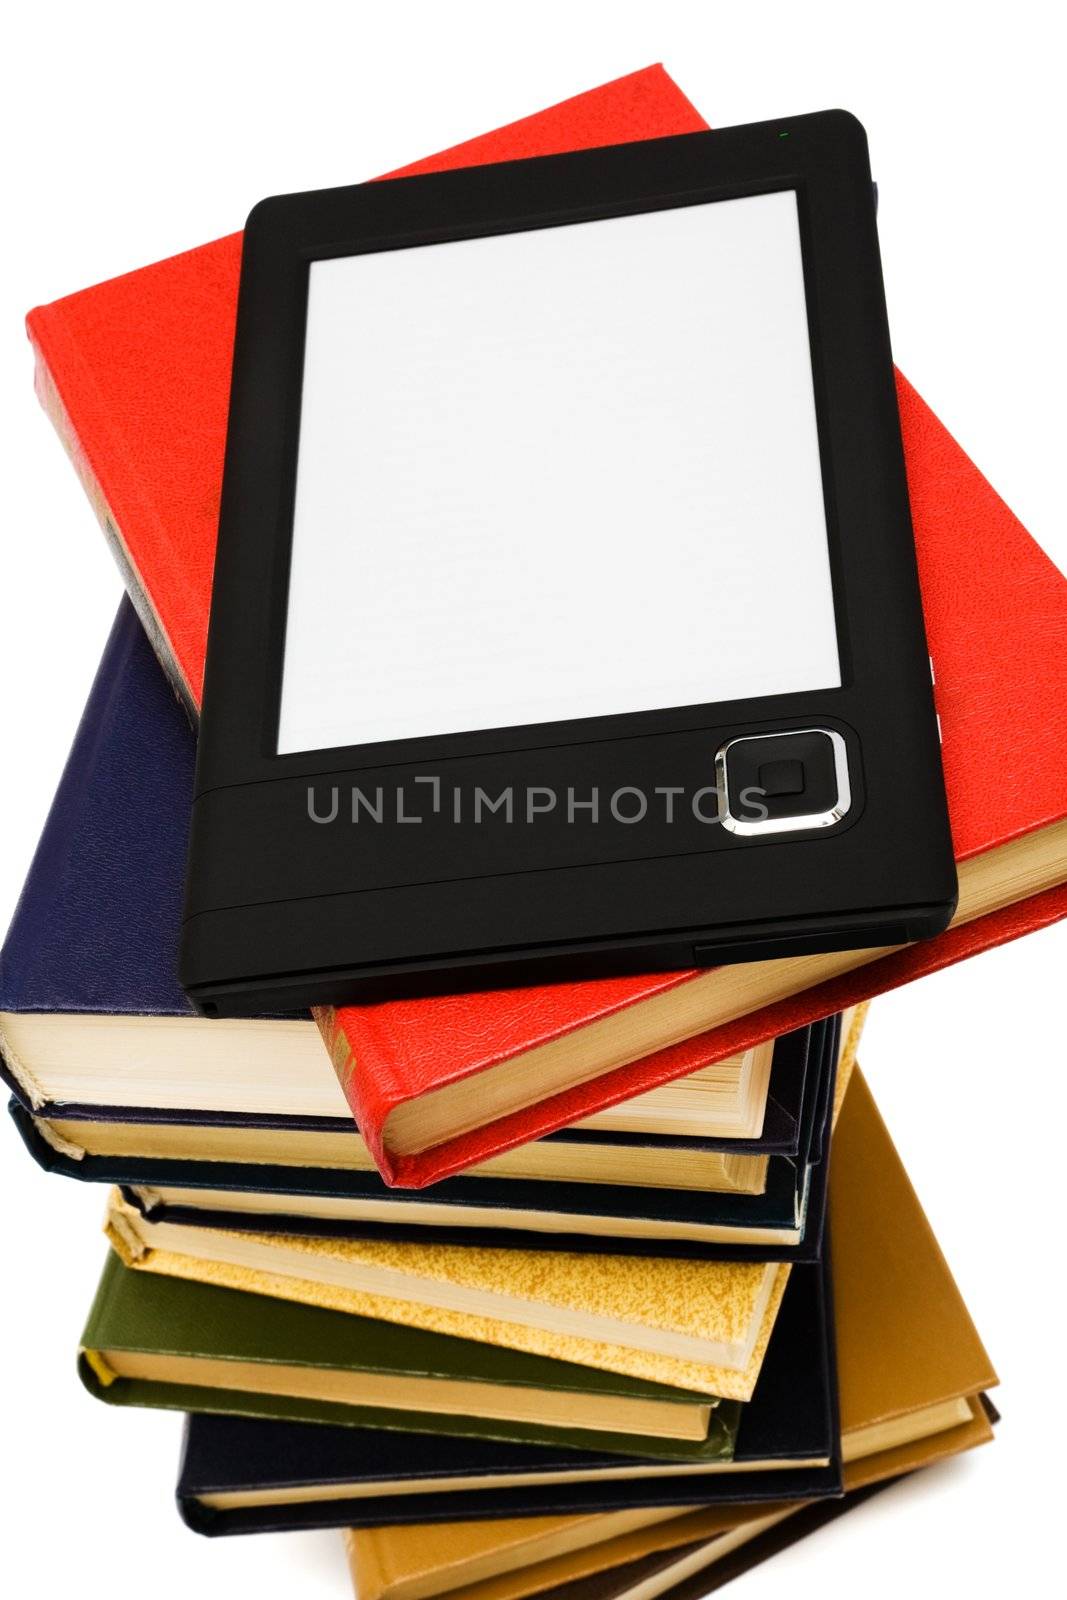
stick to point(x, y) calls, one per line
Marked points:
point(157, 1341)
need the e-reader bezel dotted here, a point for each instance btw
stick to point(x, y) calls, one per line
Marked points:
point(251, 932)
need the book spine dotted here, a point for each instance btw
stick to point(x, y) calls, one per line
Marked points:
point(42, 327)
point(21, 988)
point(97, 1333)
point(371, 1093)
point(369, 1580)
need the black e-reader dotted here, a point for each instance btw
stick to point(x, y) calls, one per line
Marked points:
point(566, 619)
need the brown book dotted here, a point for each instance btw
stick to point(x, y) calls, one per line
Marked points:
point(696, 1570)
point(911, 1370)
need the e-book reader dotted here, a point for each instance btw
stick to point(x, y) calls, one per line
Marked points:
point(566, 619)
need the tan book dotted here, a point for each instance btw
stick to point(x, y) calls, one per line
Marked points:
point(622, 1569)
point(697, 1325)
point(909, 1387)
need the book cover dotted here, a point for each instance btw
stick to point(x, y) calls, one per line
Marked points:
point(699, 1325)
point(241, 1475)
point(506, 1214)
point(784, 1222)
point(186, 1346)
point(691, 1571)
point(418, 1562)
point(119, 361)
point(90, 958)
point(122, 351)
point(891, 1364)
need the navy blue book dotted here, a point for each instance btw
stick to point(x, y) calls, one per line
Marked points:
point(248, 1475)
point(117, 1079)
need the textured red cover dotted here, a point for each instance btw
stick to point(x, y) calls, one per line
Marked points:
point(140, 367)
point(136, 372)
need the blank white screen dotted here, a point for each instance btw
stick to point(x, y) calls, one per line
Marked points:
point(554, 474)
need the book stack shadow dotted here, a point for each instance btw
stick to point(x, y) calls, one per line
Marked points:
point(674, 1308)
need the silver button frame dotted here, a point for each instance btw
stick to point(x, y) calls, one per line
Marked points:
point(750, 827)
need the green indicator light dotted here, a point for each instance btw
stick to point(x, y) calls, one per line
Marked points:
point(784, 135)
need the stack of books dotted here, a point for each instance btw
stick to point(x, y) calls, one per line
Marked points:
point(609, 1289)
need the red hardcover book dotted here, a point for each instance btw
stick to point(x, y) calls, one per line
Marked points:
point(135, 373)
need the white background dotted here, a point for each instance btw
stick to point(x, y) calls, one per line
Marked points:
point(131, 132)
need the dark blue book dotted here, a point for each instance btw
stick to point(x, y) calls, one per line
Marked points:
point(247, 1475)
point(117, 1079)
point(96, 928)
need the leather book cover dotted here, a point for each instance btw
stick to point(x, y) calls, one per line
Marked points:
point(118, 363)
point(791, 1419)
point(652, 1569)
point(429, 1559)
point(484, 1551)
point(86, 937)
point(136, 372)
point(905, 1338)
point(145, 1314)
point(702, 1567)
point(88, 941)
